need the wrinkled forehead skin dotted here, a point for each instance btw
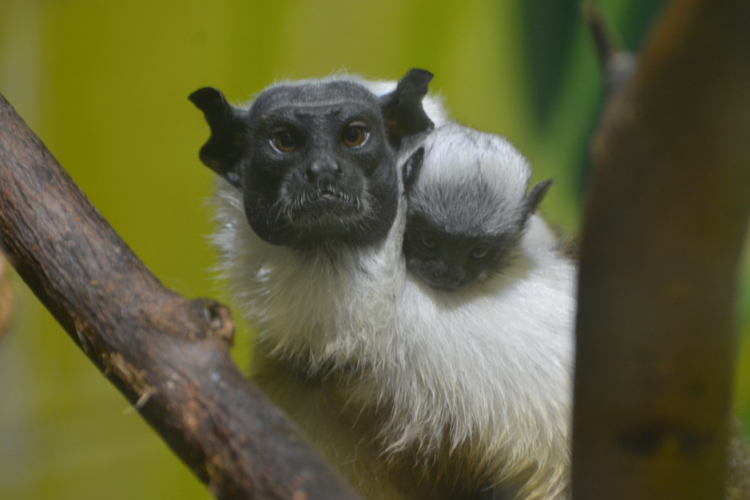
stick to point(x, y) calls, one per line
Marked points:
point(314, 94)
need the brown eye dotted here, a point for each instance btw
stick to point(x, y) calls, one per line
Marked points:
point(355, 134)
point(284, 141)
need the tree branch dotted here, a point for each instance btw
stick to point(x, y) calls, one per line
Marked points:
point(663, 232)
point(167, 355)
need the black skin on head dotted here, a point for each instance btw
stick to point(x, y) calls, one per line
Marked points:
point(315, 161)
point(453, 260)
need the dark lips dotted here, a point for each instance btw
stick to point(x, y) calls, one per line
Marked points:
point(323, 205)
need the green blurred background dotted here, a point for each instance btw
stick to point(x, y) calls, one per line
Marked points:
point(105, 85)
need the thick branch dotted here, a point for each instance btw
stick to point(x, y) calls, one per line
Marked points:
point(662, 238)
point(167, 355)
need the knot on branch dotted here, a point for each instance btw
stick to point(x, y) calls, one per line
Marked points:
point(218, 320)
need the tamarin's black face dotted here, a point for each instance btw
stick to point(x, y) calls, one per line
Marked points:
point(316, 161)
point(319, 166)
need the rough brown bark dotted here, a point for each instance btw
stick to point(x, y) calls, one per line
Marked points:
point(168, 355)
point(662, 237)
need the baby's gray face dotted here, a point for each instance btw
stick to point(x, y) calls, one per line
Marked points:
point(455, 259)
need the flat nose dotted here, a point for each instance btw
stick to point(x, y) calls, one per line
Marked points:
point(323, 170)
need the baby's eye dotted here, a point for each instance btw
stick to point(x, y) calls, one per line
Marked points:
point(480, 252)
point(428, 242)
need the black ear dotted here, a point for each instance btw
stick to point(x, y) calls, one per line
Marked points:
point(402, 108)
point(412, 168)
point(534, 197)
point(224, 149)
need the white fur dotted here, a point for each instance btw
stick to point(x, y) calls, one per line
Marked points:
point(455, 152)
point(471, 181)
point(491, 367)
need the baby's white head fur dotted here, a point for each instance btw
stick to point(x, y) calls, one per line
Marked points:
point(470, 177)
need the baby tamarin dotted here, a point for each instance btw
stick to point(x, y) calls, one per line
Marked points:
point(469, 208)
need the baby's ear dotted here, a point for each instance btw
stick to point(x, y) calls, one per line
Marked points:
point(411, 169)
point(534, 197)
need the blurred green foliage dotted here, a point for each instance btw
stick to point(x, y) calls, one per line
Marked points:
point(104, 84)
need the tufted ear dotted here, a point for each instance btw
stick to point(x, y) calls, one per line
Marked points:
point(402, 108)
point(224, 149)
point(534, 197)
point(411, 169)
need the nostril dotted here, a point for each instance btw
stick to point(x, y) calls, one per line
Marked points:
point(310, 174)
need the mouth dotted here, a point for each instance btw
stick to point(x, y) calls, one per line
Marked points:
point(447, 285)
point(440, 279)
point(331, 194)
point(319, 205)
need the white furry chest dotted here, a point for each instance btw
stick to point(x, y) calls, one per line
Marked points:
point(330, 306)
point(331, 311)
